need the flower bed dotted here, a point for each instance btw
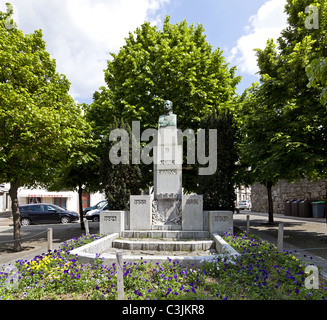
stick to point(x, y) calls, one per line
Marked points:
point(258, 273)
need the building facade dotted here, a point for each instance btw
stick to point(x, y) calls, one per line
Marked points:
point(64, 199)
point(243, 193)
point(5, 202)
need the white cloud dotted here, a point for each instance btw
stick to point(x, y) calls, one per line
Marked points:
point(267, 23)
point(81, 33)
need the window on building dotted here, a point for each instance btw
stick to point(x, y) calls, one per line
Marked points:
point(34, 200)
point(60, 202)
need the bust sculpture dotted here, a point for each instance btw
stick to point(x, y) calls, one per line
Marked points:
point(169, 118)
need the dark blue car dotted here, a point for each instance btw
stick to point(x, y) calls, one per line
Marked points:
point(45, 213)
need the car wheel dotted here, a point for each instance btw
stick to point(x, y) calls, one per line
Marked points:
point(64, 220)
point(25, 222)
point(95, 219)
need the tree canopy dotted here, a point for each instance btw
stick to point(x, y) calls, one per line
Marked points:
point(283, 120)
point(39, 121)
point(175, 63)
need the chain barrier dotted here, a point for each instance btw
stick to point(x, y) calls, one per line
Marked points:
point(23, 238)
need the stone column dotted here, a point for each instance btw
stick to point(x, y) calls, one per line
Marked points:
point(192, 213)
point(112, 222)
point(168, 159)
point(220, 222)
point(140, 212)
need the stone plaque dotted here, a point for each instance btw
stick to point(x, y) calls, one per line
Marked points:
point(140, 212)
point(192, 212)
point(112, 222)
point(220, 222)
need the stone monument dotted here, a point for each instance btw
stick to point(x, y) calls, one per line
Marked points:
point(167, 208)
point(168, 159)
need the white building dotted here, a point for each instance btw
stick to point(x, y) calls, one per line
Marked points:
point(65, 199)
point(243, 193)
point(5, 202)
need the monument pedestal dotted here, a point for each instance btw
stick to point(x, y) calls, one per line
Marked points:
point(220, 222)
point(167, 208)
point(192, 212)
point(141, 212)
point(112, 222)
point(168, 159)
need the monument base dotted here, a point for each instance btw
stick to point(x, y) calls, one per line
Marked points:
point(166, 212)
point(216, 222)
point(192, 212)
point(140, 212)
point(112, 222)
point(220, 222)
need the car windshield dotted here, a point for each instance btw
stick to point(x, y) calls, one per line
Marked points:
point(100, 204)
point(52, 207)
point(103, 204)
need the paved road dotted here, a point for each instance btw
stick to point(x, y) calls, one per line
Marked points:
point(34, 237)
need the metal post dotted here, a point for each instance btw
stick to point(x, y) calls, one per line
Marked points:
point(280, 238)
point(248, 224)
point(49, 235)
point(120, 276)
point(86, 225)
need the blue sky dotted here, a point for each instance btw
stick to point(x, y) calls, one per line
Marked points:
point(225, 22)
point(81, 33)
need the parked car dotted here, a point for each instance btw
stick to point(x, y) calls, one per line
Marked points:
point(99, 205)
point(45, 213)
point(244, 204)
point(94, 215)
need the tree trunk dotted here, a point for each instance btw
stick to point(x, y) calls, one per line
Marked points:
point(15, 213)
point(80, 201)
point(269, 186)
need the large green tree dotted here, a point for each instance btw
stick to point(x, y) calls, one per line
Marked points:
point(177, 64)
point(119, 180)
point(39, 121)
point(317, 69)
point(284, 121)
point(285, 83)
point(218, 189)
point(81, 171)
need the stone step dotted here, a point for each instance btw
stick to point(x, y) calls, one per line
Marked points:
point(168, 234)
point(163, 245)
point(166, 227)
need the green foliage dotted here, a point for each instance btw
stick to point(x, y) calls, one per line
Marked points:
point(177, 64)
point(119, 180)
point(259, 273)
point(283, 121)
point(39, 121)
point(219, 189)
point(296, 119)
point(317, 74)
